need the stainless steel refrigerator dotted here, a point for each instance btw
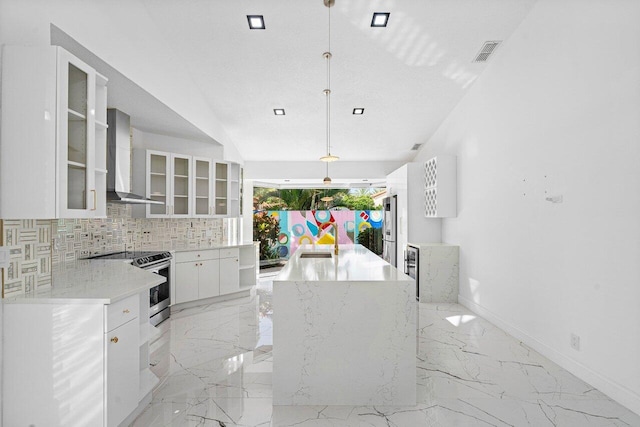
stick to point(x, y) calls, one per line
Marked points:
point(389, 244)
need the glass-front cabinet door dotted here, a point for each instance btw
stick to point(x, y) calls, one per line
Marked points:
point(202, 206)
point(221, 189)
point(158, 183)
point(76, 132)
point(181, 186)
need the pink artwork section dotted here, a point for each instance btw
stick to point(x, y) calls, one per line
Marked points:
point(312, 227)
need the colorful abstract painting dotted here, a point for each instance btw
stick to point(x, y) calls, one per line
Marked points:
point(311, 227)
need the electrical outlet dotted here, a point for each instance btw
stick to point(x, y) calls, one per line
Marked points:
point(575, 342)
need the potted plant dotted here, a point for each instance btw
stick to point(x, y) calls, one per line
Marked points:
point(266, 230)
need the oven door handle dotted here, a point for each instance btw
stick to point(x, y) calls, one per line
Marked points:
point(155, 268)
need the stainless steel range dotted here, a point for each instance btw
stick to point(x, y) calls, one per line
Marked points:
point(158, 263)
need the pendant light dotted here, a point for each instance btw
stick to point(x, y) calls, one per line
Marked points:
point(326, 198)
point(327, 92)
point(327, 179)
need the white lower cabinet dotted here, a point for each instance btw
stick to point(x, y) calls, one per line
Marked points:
point(229, 273)
point(123, 374)
point(187, 282)
point(197, 275)
point(75, 364)
point(209, 279)
point(213, 272)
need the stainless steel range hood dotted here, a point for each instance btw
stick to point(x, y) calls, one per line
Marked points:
point(119, 161)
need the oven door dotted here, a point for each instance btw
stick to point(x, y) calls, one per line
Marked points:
point(160, 295)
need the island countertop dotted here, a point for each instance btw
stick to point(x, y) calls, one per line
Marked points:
point(353, 263)
point(344, 332)
point(91, 282)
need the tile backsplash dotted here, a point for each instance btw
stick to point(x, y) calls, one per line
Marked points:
point(29, 244)
point(39, 246)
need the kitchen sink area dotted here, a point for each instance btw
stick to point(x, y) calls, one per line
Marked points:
point(315, 255)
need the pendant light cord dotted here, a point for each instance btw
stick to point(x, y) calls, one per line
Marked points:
point(328, 91)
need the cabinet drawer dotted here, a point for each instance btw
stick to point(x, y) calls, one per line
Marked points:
point(229, 253)
point(197, 255)
point(122, 311)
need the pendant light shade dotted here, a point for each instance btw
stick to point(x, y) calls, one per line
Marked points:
point(329, 158)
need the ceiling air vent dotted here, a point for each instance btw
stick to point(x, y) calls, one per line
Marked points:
point(416, 147)
point(487, 49)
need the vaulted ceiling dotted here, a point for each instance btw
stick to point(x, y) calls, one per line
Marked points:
point(407, 76)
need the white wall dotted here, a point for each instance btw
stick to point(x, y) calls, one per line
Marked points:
point(557, 112)
point(247, 211)
point(310, 170)
point(152, 141)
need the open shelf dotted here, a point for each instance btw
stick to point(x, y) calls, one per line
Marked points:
point(77, 165)
point(246, 267)
point(101, 125)
point(181, 176)
point(104, 171)
point(75, 116)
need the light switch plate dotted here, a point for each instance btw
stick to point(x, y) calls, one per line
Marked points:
point(4, 257)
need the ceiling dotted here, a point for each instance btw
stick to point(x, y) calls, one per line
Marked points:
point(408, 76)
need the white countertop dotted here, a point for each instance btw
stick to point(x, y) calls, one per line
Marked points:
point(426, 245)
point(222, 246)
point(92, 282)
point(353, 263)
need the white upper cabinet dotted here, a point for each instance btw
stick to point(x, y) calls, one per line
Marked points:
point(202, 187)
point(53, 136)
point(227, 189)
point(169, 180)
point(188, 186)
point(440, 187)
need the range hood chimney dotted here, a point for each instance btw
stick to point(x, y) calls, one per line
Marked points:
point(119, 160)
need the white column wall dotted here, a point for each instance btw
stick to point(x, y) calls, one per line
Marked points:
point(556, 113)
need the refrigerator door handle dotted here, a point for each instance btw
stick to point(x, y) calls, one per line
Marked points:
point(406, 262)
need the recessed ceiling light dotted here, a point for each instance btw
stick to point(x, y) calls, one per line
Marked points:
point(380, 19)
point(358, 111)
point(278, 111)
point(256, 22)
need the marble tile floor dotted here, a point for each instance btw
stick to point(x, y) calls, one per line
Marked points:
point(215, 366)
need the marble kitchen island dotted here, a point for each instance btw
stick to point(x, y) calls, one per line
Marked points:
point(344, 330)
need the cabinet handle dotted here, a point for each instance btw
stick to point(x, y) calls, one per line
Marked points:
point(125, 311)
point(198, 255)
point(114, 340)
point(95, 200)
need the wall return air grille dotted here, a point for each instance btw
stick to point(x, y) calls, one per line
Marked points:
point(487, 49)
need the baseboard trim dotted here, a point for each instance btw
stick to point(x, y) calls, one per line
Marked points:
point(615, 391)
